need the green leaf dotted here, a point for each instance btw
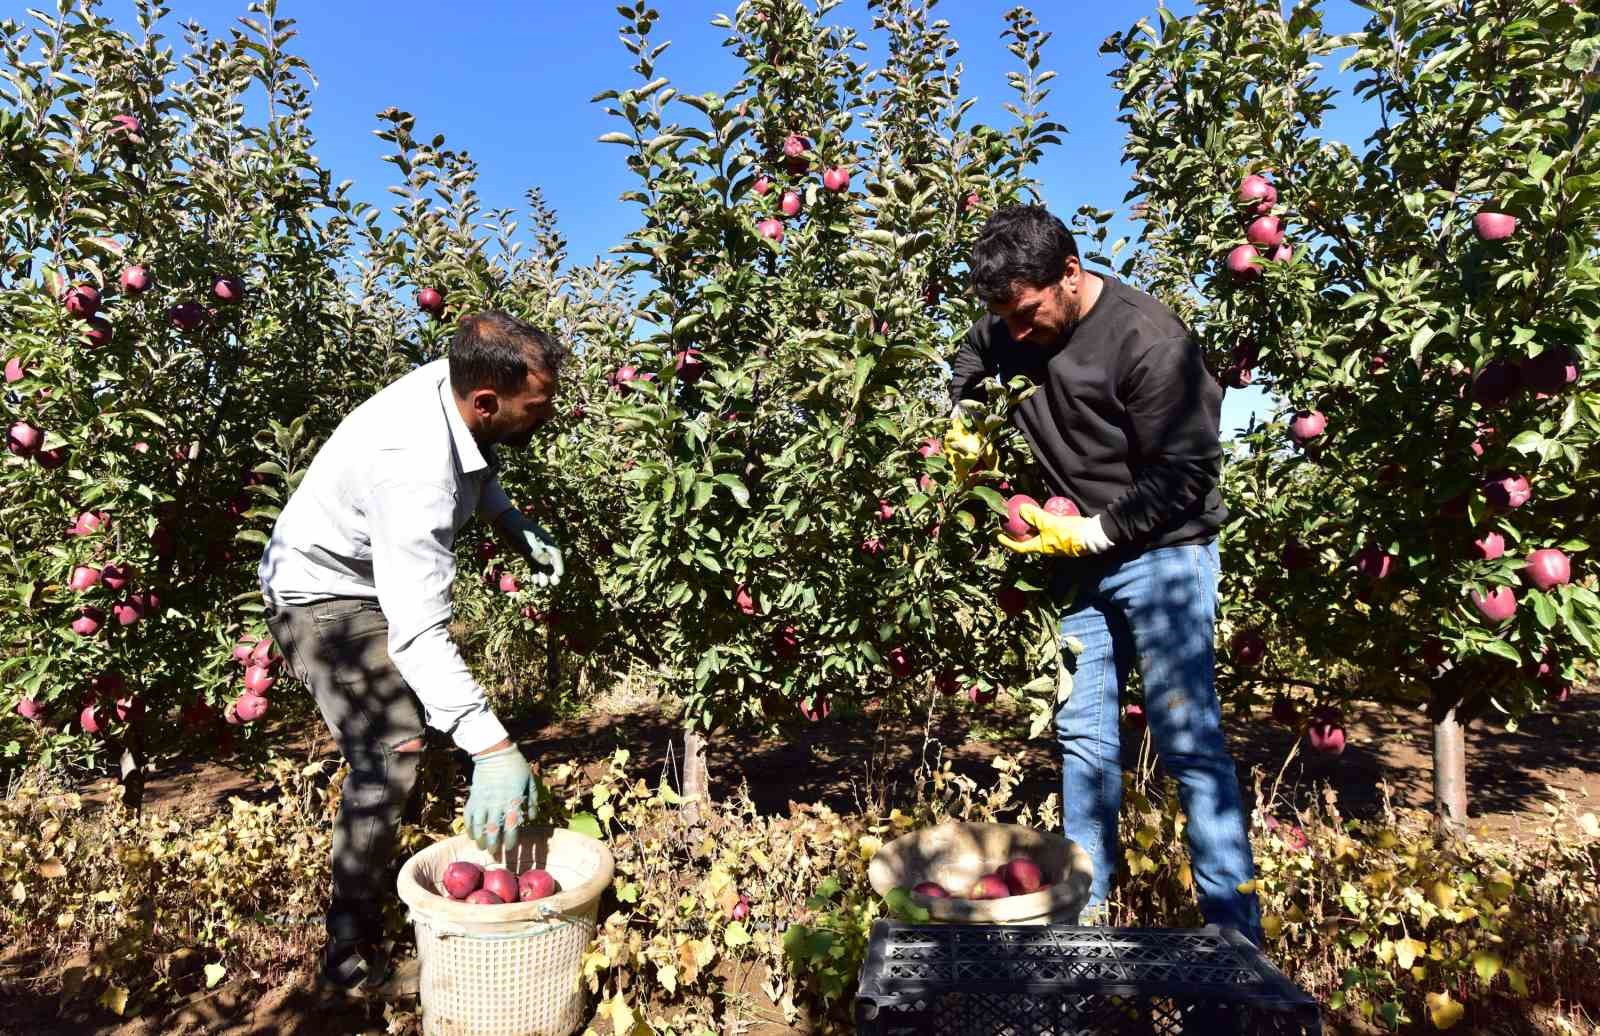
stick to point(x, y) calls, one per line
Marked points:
point(585, 824)
point(741, 494)
point(996, 502)
point(736, 934)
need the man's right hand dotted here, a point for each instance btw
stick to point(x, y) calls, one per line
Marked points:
point(962, 444)
point(503, 797)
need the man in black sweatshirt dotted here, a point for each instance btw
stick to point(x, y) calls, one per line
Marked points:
point(1125, 424)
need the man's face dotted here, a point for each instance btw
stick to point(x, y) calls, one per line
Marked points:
point(510, 419)
point(1040, 314)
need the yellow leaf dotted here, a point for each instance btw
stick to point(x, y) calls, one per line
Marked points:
point(868, 846)
point(66, 920)
point(1442, 895)
point(667, 975)
point(1185, 875)
point(1443, 1010)
point(1487, 965)
point(1519, 985)
point(1247, 887)
point(52, 869)
point(1590, 825)
point(621, 1015)
point(19, 892)
point(1406, 951)
point(1273, 926)
point(1386, 951)
point(115, 998)
point(214, 974)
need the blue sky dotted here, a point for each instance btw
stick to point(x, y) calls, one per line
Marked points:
point(510, 82)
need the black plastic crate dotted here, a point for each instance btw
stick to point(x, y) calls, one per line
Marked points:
point(1065, 980)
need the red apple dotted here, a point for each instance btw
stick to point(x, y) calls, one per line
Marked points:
point(149, 601)
point(265, 654)
point(1507, 490)
point(83, 577)
point(1133, 715)
point(135, 280)
point(1241, 263)
point(790, 205)
point(1017, 527)
point(1060, 505)
point(786, 641)
point(624, 374)
point(502, 883)
point(899, 662)
point(1498, 606)
point(242, 650)
point(90, 522)
point(1493, 226)
point(741, 909)
point(130, 709)
point(258, 679)
point(483, 897)
point(87, 624)
point(508, 583)
point(977, 695)
point(1307, 425)
point(931, 889)
point(125, 125)
point(431, 301)
point(1257, 189)
point(116, 576)
point(1490, 545)
point(690, 366)
point(971, 201)
point(89, 720)
point(794, 150)
point(1548, 568)
point(872, 546)
point(30, 710)
point(186, 316)
point(931, 447)
point(97, 331)
point(535, 884)
point(228, 289)
point(1551, 371)
point(771, 229)
point(762, 186)
point(461, 879)
point(815, 707)
point(1374, 563)
point(744, 599)
point(82, 300)
point(250, 707)
point(1013, 601)
point(836, 179)
point(1284, 253)
point(1021, 875)
point(24, 439)
point(885, 510)
point(52, 458)
point(127, 612)
point(1265, 232)
point(1249, 647)
point(14, 370)
point(1325, 733)
point(990, 886)
point(1496, 384)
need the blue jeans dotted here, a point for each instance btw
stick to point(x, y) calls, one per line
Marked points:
point(1156, 611)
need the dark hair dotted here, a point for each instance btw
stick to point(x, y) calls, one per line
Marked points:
point(495, 350)
point(1020, 244)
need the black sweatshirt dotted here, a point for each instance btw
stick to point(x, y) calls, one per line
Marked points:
point(1125, 420)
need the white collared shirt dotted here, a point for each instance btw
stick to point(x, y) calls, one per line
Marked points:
point(376, 516)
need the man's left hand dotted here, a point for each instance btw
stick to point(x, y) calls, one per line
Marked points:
point(1066, 535)
point(540, 548)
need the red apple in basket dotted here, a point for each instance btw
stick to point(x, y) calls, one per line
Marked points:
point(483, 897)
point(502, 883)
point(535, 884)
point(462, 879)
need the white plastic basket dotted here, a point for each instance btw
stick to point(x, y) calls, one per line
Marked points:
point(512, 969)
point(956, 854)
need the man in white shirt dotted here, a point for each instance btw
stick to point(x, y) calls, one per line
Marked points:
point(357, 579)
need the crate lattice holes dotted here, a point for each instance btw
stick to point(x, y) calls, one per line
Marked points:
point(1065, 980)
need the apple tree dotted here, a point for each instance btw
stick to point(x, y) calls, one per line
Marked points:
point(1411, 529)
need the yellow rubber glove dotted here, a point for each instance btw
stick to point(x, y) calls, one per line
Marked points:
point(962, 444)
point(1065, 535)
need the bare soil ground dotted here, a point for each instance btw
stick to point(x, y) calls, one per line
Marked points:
point(847, 762)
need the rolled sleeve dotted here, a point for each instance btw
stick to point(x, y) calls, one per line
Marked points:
point(413, 568)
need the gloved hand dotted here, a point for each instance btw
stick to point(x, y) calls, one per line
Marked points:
point(966, 448)
point(539, 547)
point(1067, 535)
point(503, 797)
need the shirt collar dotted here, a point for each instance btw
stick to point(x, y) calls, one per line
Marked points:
point(469, 455)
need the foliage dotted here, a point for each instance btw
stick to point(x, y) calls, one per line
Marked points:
point(1354, 549)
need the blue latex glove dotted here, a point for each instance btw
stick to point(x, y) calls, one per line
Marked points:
point(503, 797)
point(539, 547)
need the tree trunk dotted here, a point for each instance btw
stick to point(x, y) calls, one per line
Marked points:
point(1449, 773)
point(696, 781)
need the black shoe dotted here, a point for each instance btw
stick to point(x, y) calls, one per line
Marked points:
point(350, 970)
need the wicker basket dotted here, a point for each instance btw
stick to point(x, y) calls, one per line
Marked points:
point(512, 969)
point(956, 855)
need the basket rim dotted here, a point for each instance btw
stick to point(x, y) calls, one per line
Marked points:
point(1068, 895)
point(577, 900)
